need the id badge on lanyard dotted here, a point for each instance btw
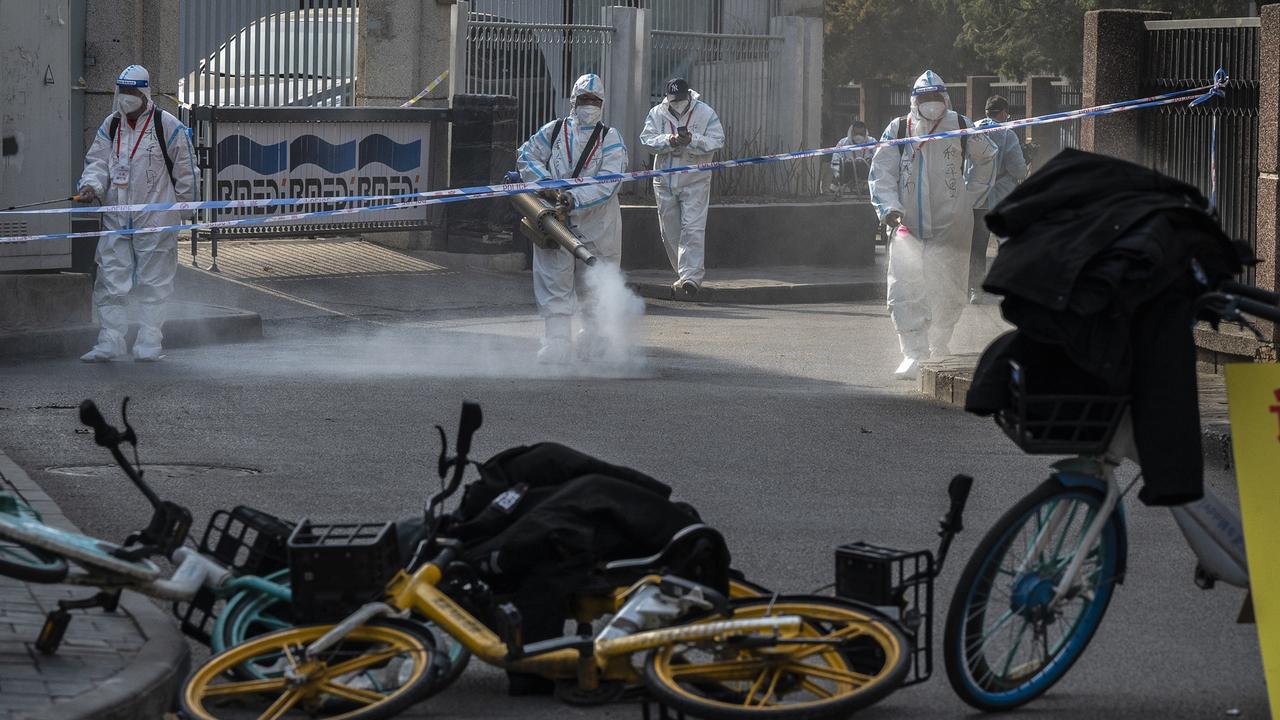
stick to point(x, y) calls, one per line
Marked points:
point(120, 171)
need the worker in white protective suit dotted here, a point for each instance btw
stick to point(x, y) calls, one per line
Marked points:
point(929, 190)
point(141, 155)
point(576, 146)
point(851, 167)
point(683, 130)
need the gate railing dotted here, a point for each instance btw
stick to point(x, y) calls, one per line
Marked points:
point(267, 53)
point(1185, 54)
point(536, 63)
point(731, 73)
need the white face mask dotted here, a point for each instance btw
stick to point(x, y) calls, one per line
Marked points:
point(932, 110)
point(679, 106)
point(130, 103)
point(588, 114)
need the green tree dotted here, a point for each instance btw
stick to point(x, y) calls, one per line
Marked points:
point(895, 40)
point(1017, 38)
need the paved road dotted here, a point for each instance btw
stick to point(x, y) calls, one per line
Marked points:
point(778, 423)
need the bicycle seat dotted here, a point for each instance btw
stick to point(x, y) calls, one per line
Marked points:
point(696, 552)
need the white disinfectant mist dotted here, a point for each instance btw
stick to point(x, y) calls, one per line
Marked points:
point(618, 315)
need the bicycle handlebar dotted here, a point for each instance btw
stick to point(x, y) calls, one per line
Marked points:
point(1249, 291)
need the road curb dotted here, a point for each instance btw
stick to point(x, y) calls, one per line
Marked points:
point(948, 381)
point(771, 294)
point(228, 326)
point(145, 688)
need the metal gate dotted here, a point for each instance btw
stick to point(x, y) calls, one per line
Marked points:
point(533, 51)
point(267, 53)
point(1185, 54)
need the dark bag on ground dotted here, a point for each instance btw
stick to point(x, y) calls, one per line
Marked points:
point(543, 519)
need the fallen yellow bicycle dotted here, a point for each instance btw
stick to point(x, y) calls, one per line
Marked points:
point(691, 647)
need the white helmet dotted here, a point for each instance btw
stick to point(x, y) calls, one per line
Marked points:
point(134, 76)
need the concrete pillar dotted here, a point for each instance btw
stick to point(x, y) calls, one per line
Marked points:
point(786, 81)
point(977, 90)
point(1114, 47)
point(459, 12)
point(627, 87)
point(404, 45)
point(1042, 99)
point(796, 82)
point(1267, 272)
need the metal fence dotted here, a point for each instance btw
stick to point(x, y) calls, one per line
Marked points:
point(535, 62)
point(731, 73)
point(1069, 98)
point(267, 53)
point(1185, 54)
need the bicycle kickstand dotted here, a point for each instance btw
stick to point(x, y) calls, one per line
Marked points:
point(56, 622)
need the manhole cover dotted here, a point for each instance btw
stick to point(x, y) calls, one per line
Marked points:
point(172, 471)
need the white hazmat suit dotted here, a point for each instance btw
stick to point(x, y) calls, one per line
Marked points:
point(553, 152)
point(934, 186)
point(128, 169)
point(683, 200)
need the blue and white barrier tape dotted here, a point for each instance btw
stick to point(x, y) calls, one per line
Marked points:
point(433, 197)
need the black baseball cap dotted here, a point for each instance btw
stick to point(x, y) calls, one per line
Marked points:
point(678, 89)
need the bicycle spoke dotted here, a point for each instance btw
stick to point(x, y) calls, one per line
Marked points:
point(720, 671)
point(271, 622)
point(816, 689)
point(848, 633)
point(245, 687)
point(359, 695)
point(755, 687)
point(282, 705)
point(829, 673)
point(768, 693)
point(1004, 672)
point(363, 661)
point(1006, 617)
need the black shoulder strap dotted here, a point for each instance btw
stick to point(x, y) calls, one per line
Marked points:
point(902, 133)
point(594, 140)
point(158, 124)
point(555, 131)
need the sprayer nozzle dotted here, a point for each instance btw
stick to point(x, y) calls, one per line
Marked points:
point(591, 260)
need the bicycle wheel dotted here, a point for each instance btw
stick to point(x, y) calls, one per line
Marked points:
point(377, 671)
point(31, 564)
point(249, 614)
point(1005, 642)
point(845, 658)
point(22, 561)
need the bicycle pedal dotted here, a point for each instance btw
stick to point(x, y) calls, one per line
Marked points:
point(55, 628)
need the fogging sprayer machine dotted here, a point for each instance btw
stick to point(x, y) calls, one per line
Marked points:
point(547, 224)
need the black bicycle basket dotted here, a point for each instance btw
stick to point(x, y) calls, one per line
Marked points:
point(1058, 424)
point(250, 542)
point(334, 569)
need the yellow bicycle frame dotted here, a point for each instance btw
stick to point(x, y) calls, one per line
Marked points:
point(609, 659)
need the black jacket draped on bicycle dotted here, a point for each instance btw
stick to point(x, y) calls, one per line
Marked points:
point(1097, 276)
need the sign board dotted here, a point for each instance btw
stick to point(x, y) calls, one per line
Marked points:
point(256, 160)
point(1253, 393)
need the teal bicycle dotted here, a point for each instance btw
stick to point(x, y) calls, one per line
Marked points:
point(233, 586)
